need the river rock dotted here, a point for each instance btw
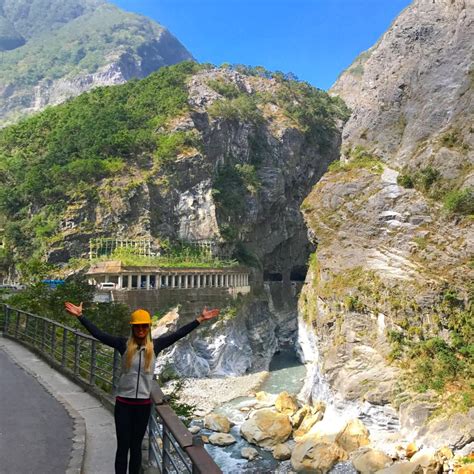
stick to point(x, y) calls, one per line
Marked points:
point(222, 439)
point(298, 417)
point(428, 460)
point(353, 436)
point(308, 422)
point(194, 429)
point(368, 461)
point(249, 453)
point(282, 452)
point(216, 422)
point(286, 403)
point(406, 467)
point(316, 457)
point(266, 428)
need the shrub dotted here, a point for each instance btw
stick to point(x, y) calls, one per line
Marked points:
point(460, 201)
point(224, 88)
point(405, 180)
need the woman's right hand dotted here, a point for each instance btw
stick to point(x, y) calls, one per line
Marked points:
point(73, 309)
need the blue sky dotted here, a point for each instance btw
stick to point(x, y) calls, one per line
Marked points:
point(314, 39)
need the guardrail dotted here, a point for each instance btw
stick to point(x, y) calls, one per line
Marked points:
point(172, 448)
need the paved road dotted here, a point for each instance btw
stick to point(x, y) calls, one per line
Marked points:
point(35, 429)
point(92, 420)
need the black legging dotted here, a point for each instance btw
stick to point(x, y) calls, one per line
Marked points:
point(130, 426)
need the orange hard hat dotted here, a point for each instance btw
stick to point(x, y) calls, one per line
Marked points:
point(140, 316)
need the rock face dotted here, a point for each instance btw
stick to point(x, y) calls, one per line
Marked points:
point(388, 255)
point(316, 457)
point(266, 428)
point(105, 46)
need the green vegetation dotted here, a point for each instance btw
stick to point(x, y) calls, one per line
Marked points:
point(453, 139)
point(179, 255)
point(359, 158)
point(232, 184)
point(460, 201)
point(428, 181)
point(225, 88)
point(60, 47)
point(39, 299)
point(242, 108)
point(423, 179)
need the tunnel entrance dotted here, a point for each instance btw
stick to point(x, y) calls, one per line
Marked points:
point(272, 276)
point(298, 273)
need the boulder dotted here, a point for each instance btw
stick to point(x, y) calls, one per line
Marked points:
point(308, 422)
point(266, 428)
point(194, 429)
point(406, 467)
point(353, 436)
point(249, 453)
point(428, 460)
point(216, 422)
point(317, 457)
point(369, 461)
point(298, 417)
point(222, 439)
point(286, 403)
point(282, 452)
point(466, 469)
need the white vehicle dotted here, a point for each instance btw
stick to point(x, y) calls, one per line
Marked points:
point(107, 285)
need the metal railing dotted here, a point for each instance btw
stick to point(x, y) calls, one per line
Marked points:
point(172, 448)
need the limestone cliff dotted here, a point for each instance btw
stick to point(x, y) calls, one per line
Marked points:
point(54, 50)
point(389, 290)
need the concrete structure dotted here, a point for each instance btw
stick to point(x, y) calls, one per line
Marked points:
point(150, 278)
point(158, 289)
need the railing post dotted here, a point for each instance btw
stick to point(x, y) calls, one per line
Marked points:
point(53, 339)
point(76, 354)
point(64, 348)
point(43, 336)
point(165, 449)
point(17, 324)
point(93, 362)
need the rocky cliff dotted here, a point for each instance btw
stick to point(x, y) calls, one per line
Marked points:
point(53, 50)
point(191, 153)
point(389, 291)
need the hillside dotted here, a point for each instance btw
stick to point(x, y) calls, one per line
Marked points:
point(56, 50)
point(191, 153)
point(390, 291)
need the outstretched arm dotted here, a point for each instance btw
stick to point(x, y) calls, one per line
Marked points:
point(167, 340)
point(118, 343)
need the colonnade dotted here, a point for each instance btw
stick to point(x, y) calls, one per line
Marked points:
point(148, 281)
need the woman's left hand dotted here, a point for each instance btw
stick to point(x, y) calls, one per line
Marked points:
point(208, 314)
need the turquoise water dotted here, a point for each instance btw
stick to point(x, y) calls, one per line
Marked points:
point(286, 372)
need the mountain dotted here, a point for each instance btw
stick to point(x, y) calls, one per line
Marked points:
point(52, 50)
point(389, 293)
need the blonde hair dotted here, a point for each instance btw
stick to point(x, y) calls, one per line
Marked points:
point(132, 348)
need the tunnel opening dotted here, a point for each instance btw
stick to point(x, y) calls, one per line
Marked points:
point(272, 276)
point(298, 273)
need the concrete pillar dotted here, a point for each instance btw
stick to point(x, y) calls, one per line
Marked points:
point(192, 281)
point(167, 280)
point(106, 278)
point(119, 283)
point(199, 281)
point(147, 285)
point(172, 281)
point(186, 277)
point(129, 281)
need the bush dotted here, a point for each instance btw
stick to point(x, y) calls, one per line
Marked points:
point(460, 201)
point(405, 180)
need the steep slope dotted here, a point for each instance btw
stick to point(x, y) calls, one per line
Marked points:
point(389, 292)
point(190, 153)
point(56, 50)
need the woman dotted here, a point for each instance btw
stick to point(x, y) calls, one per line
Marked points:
point(133, 402)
